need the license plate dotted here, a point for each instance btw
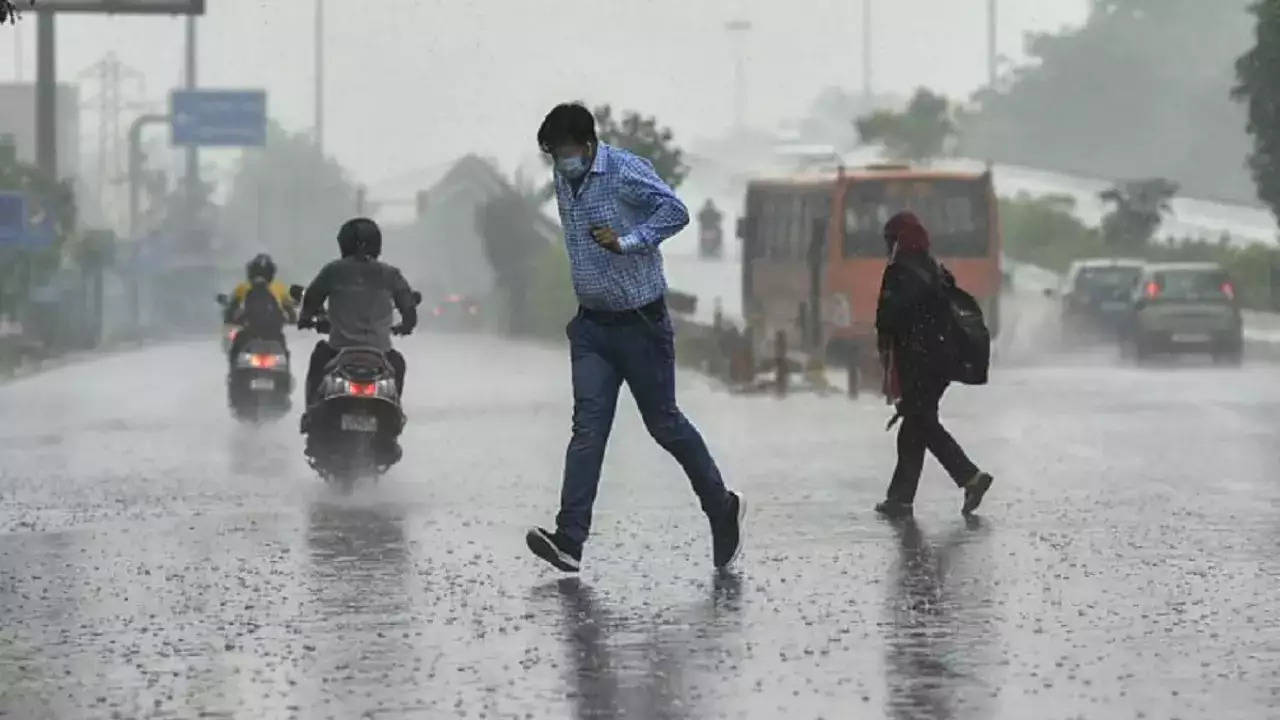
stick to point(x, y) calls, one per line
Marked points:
point(262, 384)
point(360, 423)
point(1191, 338)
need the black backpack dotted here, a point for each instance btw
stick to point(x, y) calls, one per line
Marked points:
point(261, 312)
point(966, 351)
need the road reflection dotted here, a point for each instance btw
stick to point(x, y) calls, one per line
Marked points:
point(637, 667)
point(935, 632)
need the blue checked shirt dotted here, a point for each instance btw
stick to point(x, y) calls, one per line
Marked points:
point(623, 192)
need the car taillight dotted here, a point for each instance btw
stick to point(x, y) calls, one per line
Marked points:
point(1229, 290)
point(262, 361)
point(364, 389)
point(1153, 290)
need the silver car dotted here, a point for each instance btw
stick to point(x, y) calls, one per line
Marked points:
point(1186, 307)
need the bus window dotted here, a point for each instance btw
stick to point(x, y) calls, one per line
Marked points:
point(953, 211)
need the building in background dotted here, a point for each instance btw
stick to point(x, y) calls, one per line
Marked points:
point(18, 118)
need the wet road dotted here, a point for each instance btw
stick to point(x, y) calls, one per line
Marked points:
point(158, 560)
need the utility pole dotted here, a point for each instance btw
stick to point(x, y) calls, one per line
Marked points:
point(17, 53)
point(193, 152)
point(738, 30)
point(46, 95)
point(110, 74)
point(319, 71)
point(991, 43)
point(866, 50)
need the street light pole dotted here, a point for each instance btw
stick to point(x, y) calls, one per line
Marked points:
point(46, 95)
point(319, 71)
point(193, 153)
point(866, 49)
point(991, 42)
point(738, 30)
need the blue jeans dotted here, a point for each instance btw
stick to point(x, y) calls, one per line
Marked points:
point(641, 351)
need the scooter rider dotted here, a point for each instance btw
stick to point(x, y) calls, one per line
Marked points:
point(361, 292)
point(260, 305)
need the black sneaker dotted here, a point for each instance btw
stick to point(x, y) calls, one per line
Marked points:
point(894, 508)
point(728, 535)
point(974, 491)
point(554, 548)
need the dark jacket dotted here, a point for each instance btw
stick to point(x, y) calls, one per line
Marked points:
point(910, 319)
point(361, 294)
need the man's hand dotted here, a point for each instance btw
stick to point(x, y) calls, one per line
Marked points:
point(607, 238)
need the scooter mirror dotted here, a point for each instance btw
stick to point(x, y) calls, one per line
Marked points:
point(295, 292)
point(222, 299)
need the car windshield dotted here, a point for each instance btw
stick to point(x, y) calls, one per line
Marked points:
point(1107, 281)
point(1193, 285)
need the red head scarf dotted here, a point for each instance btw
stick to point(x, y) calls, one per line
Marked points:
point(906, 233)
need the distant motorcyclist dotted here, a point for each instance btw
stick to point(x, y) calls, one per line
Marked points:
point(260, 305)
point(361, 292)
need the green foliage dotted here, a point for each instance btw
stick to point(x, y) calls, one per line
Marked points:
point(1143, 84)
point(1042, 231)
point(508, 225)
point(918, 133)
point(9, 11)
point(1140, 206)
point(642, 136)
point(22, 269)
point(1258, 73)
point(551, 298)
point(289, 200)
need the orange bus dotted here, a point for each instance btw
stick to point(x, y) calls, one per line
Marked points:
point(814, 253)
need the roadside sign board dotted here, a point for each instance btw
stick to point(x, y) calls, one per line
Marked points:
point(13, 218)
point(229, 118)
point(124, 7)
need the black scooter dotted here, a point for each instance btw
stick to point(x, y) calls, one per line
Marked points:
point(259, 382)
point(354, 423)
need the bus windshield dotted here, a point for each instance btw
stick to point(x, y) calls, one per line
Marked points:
point(955, 213)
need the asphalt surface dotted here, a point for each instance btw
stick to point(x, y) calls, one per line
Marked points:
point(158, 559)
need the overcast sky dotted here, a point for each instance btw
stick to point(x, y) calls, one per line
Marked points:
point(412, 84)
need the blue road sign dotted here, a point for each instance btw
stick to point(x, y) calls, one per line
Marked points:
point(233, 118)
point(24, 221)
point(13, 218)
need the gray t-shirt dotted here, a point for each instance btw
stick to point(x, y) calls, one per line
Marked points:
point(361, 295)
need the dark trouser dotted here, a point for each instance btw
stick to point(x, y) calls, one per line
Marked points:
point(324, 353)
point(922, 430)
point(637, 347)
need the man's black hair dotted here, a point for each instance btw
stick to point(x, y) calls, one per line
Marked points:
point(567, 122)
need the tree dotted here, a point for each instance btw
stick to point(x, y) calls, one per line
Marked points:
point(507, 224)
point(642, 136)
point(1258, 73)
point(289, 200)
point(9, 11)
point(1044, 231)
point(918, 133)
point(1138, 78)
point(22, 269)
point(1140, 206)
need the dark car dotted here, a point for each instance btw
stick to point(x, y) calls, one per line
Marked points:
point(1187, 307)
point(1096, 296)
point(455, 312)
